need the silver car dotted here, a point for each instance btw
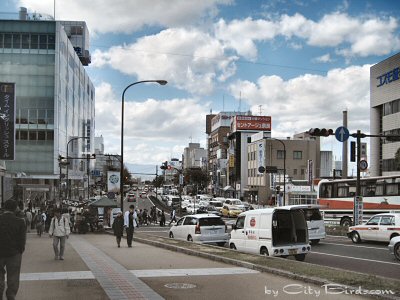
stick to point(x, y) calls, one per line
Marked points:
point(202, 228)
point(394, 247)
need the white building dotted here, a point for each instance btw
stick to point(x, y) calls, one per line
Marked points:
point(385, 115)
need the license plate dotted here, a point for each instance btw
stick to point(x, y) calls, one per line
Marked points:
point(213, 232)
point(292, 251)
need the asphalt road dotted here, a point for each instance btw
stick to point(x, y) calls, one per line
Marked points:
point(335, 251)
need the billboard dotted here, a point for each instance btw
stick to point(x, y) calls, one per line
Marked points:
point(251, 123)
point(113, 183)
point(7, 121)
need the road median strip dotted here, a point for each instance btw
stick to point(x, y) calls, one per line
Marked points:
point(356, 283)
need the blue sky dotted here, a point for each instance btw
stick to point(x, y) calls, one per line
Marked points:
point(300, 62)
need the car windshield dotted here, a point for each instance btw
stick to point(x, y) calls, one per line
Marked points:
point(236, 202)
point(211, 221)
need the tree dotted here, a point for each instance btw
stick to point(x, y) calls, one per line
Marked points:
point(196, 176)
point(158, 181)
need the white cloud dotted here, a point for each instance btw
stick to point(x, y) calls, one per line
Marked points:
point(151, 126)
point(104, 16)
point(188, 59)
point(326, 58)
point(310, 100)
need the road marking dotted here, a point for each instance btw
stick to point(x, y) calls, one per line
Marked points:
point(357, 246)
point(138, 273)
point(357, 258)
point(193, 272)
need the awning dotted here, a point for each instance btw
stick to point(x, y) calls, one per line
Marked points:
point(228, 188)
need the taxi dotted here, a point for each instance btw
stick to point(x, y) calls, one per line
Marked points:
point(381, 228)
point(230, 211)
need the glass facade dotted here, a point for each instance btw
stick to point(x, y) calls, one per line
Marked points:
point(55, 97)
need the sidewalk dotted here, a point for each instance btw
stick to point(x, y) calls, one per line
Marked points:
point(94, 268)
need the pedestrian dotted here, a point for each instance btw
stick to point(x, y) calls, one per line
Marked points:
point(130, 218)
point(28, 215)
point(162, 219)
point(12, 245)
point(59, 230)
point(118, 227)
point(39, 223)
point(173, 216)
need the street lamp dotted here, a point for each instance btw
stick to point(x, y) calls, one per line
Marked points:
point(121, 187)
point(73, 139)
point(284, 165)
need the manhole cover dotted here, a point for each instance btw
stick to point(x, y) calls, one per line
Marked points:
point(180, 286)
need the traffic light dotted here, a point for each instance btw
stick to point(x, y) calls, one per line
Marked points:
point(164, 166)
point(320, 132)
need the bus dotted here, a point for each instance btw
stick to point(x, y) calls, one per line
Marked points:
point(379, 195)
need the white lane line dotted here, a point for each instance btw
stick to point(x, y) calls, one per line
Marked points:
point(138, 273)
point(356, 246)
point(357, 258)
point(192, 272)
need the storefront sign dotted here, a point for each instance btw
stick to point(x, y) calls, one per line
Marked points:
point(388, 77)
point(7, 121)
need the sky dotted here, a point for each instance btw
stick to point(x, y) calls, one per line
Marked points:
point(301, 62)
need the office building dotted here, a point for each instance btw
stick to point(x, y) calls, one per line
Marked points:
point(55, 105)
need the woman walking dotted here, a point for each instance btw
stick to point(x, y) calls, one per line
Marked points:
point(118, 227)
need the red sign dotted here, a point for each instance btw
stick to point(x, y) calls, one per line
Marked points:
point(254, 123)
point(253, 222)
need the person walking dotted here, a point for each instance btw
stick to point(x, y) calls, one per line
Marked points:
point(162, 219)
point(173, 216)
point(118, 227)
point(130, 218)
point(59, 230)
point(28, 216)
point(39, 223)
point(12, 245)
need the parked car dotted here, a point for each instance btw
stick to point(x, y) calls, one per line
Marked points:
point(381, 227)
point(201, 228)
point(230, 211)
point(394, 247)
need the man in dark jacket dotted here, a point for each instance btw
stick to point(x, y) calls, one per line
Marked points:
point(12, 245)
point(118, 227)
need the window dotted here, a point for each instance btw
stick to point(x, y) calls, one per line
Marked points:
point(374, 221)
point(7, 40)
point(188, 221)
point(34, 41)
point(387, 221)
point(25, 41)
point(43, 41)
point(180, 221)
point(16, 41)
point(303, 171)
point(294, 171)
point(240, 222)
point(280, 154)
point(211, 222)
point(297, 155)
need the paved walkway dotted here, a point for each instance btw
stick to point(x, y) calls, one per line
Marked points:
point(117, 282)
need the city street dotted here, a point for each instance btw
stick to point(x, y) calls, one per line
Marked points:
point(94, 268)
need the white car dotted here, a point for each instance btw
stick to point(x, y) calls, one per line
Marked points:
point(394, 247)
point(381, 228)
point(235, 202)
point(202, 228)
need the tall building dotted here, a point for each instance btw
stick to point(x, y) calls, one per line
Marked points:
point(385, 115)
point(194, 156)
point(55, 104)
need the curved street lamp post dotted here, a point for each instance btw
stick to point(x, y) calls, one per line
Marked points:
point(121, 188)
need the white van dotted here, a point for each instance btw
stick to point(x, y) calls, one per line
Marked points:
point(279, 231)
point(315, 222)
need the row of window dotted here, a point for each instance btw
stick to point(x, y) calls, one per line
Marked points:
point(34, 135)
point(345, 190)
point(280, 154)
point(27, 41)
point(35, 116)
point(389, 165)
point(254, 172)
point(391, 107)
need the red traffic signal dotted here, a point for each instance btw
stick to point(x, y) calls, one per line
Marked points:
point(320, 132)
